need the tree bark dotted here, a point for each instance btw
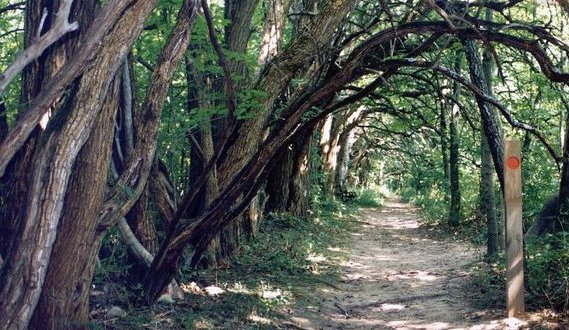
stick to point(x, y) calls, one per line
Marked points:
point(299, 195)
point(490, 124)
point(278, 180)
point(64, 304)
point(487, 195)
point(65, 137)
point(346, 141)
point(454, 143)
point(562, 222)
point(454, 173)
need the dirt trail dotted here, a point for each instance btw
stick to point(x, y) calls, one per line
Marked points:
point(396, 277)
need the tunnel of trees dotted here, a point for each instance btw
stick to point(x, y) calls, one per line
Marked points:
point(182, 123)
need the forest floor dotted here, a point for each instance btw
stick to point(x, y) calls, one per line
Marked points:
point(376, 268)
point(400, 275)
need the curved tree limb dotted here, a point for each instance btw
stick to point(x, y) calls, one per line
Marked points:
point(60, 27)
point(92, 43)
point(479, 93)
point(132, 181)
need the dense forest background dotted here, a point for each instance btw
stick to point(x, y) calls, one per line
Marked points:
point(173, 128)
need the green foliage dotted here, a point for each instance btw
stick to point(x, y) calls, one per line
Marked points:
point(368, 198)
point(548, 271)
point(489, 284)
point(111, 272)
point(289, 256)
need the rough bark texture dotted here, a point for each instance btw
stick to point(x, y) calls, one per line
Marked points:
point(26, 266)
point(278, 180)
point(487, 195)
point(490, 125)
point(34, 77)
point(74, 250)
point(299, 196)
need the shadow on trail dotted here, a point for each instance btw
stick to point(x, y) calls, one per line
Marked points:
point(397, 277)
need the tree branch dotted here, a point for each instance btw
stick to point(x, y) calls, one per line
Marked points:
point(59, 29)
point(61, 81)
point(474, 89)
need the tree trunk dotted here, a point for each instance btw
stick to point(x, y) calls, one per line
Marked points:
point(454, 173)
point(3, 122)
point(487, 195)
point(299, 195)
point(490, 124)
point(279, 179)
point(34, 77)
point(68, 137)
point(330, 157)
point(64, 304)
point(345, 142)
point(563, 219)
point(487, 205)
point(443, 121)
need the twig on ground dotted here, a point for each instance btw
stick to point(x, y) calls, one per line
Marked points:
point(337, 304)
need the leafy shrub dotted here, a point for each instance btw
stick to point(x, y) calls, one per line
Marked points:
point(348, 196)
point(548, 271)
point(369, 198)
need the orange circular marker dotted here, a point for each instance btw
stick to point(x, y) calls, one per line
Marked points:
point(513, 162)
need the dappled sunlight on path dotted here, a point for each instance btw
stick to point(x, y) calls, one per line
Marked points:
point(398, 278)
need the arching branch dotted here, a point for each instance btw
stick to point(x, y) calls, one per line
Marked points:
point(474, 89)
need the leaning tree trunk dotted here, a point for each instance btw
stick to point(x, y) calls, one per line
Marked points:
point(71, 258)
point(64, 304)
point(24, 274)
point(490, 124)
point(34, 77)
point(251, 164)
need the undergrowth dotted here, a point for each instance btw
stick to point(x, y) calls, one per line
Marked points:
point(288, 258)
point(548, 271)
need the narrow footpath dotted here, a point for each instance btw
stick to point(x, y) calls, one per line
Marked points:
point(396, 277)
